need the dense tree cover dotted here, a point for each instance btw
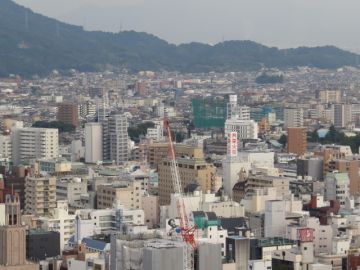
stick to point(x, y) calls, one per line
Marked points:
point(136, 132)
point(336, 137)
point(44, 44)
point(265, 78)
point(62, 127)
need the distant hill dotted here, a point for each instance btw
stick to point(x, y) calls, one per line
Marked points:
point(34, 44)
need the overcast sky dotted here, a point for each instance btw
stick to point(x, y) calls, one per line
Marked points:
point(282, 23)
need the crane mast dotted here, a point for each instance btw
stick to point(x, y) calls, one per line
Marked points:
point(187, 232)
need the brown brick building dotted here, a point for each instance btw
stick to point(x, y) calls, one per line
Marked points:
point(68, 114)
point(13, 238)
point(297, 141)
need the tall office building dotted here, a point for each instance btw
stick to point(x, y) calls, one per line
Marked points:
point(13, 238)
point(341, 115)
point(38, 143)
point(115, 139)
point(93, 142)
point(68, 113)
point(297, 141)
point(40, 195)
point(293, 117)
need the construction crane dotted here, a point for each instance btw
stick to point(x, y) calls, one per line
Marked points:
point(187, 232)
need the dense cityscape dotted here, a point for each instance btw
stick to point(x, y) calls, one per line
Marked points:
point(121, 169)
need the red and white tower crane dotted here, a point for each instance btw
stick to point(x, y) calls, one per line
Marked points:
point(187, 232)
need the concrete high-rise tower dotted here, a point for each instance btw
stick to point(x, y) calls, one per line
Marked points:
point(93, 142)
point(115, 139)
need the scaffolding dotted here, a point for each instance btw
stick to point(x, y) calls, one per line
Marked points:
point(209, 112)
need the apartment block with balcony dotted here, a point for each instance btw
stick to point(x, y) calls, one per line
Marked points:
point(40, 195)
point(128, 195)
point(34, 143)
point(191, 171)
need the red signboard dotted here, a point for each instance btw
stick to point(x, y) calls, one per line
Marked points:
point(232, 144)
point(306, 235)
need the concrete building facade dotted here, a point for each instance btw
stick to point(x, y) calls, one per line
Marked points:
point(297, 141)
point(93, 142)
point(68, 113)
point(40, 195)
point(293, 117)
point(34, 143)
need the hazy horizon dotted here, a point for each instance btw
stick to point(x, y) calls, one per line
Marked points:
point(280, 23)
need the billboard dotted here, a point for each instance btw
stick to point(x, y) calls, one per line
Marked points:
point(232, 144)
point(306, 235)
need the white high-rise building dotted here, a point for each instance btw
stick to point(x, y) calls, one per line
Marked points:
point(236, 111)
point(38, 143)
point(93, 142)
point(246, 129)
point(293, 117)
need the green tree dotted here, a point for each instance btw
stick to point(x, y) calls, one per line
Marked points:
point(313, 136)
point(140, 130)
point(61, 126)
point(283, 140)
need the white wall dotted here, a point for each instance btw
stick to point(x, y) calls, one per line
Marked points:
point(2, 214)
point(93, 142)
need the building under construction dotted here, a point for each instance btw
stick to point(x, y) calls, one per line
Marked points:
point(152, 251)
point(209, 112)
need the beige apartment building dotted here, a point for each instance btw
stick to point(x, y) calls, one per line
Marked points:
point(34, 143)
point(330, 96)
point(191, 170)
point(128, 195)
point(158, 151)
point(151, 207)
point(259, 180)
point(40, 195)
